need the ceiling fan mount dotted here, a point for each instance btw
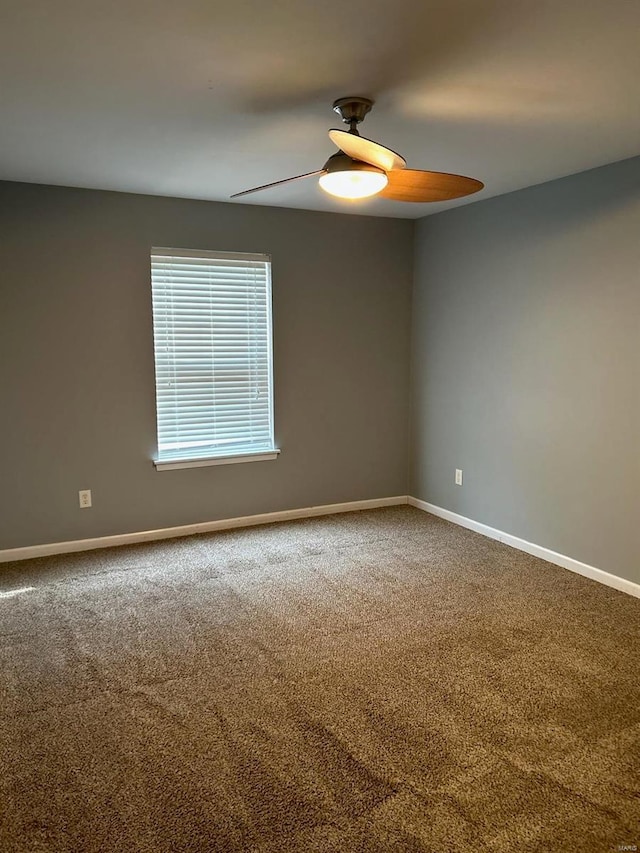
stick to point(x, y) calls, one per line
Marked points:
point(363, 168)
point(352, 110)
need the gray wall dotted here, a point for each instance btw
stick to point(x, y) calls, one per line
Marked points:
point(76, 361)
point(526, 365)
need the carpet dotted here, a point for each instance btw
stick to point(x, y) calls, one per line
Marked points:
point(372, 681)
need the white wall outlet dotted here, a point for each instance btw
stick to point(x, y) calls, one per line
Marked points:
point(458, 476)
point(84, 497)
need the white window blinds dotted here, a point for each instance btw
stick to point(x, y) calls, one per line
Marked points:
point(212, 337)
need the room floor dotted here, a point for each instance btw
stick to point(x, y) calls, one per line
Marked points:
point(373, 681)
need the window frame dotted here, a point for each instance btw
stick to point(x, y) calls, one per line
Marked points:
point(186, 460)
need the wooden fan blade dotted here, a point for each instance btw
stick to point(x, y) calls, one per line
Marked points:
point(278, 183)
point(418, 185)
point(360, 148)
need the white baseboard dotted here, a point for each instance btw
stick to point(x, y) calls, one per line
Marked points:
point(47, 550)
point(565, 562)
point(530, 548)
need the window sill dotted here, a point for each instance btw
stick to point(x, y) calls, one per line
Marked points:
point(172, 464)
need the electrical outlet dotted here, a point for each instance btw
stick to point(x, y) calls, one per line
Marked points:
point(84, 497)
point(458, 476)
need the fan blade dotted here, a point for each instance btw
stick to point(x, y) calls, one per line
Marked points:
point(420, 186)
point(278, 183)
point(360, 148)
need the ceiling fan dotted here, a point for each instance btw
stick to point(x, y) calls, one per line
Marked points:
point(363, 168)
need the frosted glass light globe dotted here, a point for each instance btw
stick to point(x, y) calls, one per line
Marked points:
point(354, 183)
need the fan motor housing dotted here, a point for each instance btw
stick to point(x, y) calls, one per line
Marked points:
point(341, 162)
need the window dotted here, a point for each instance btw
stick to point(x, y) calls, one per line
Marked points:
point(212, 343)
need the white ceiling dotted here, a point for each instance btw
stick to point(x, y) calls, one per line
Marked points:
point(203, 99)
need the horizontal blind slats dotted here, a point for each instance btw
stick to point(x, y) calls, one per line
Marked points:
point(212, 347)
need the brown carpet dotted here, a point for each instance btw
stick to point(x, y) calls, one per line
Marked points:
point(375, 681)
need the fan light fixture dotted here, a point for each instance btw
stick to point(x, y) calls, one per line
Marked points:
point(363, 168)
point(351, 179)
